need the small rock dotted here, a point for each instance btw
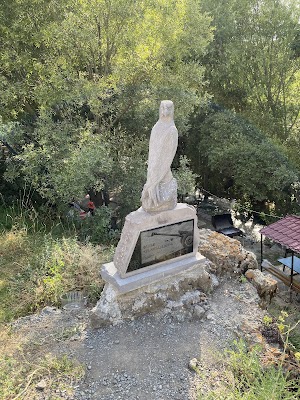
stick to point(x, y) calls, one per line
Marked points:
point(199, 311)
point(74, 338)
point(193, 364)
point(214, 280)
point(41, 385)
point(49, 310)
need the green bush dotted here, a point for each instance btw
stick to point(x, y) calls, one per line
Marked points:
point(97, 228)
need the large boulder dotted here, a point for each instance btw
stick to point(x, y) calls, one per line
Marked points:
point(227, 255)
point(265, 284)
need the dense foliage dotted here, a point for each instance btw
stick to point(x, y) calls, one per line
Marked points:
point(237, 160)
point(253, 62)
point(81, 82)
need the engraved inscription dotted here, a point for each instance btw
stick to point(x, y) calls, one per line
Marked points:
point(161, 244)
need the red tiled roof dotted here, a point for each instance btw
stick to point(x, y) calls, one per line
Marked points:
point(286, 231)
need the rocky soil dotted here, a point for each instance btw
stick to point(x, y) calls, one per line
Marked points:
point(151, 357)
point(148, 358)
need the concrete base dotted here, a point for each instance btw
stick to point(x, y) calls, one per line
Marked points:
point(166, 284)
point(174, 294)
point(123, 285)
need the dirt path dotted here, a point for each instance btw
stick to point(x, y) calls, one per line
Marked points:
point(147, 358)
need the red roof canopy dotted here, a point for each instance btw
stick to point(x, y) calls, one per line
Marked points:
point(286, 231)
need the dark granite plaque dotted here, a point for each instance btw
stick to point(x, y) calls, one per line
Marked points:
point(161, 244)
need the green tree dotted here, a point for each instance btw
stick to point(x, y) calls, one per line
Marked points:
point(63, 160)
point(186, 179)
point(120, 60)
point(253, 62)
point(22, 24)
point(236, 160)
point(85, 79)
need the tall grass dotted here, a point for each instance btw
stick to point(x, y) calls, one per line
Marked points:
point(35, 221)
point(40, 259)
point(246, 378)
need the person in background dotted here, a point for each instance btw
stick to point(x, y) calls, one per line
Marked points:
point(75, 209)
point(90, 205)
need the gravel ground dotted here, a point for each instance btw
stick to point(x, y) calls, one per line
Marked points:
point(148, 358)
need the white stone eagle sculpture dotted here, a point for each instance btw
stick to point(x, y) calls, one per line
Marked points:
point(160, 190)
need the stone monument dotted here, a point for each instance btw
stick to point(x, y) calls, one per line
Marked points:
point(158, 249)
point(160, 190)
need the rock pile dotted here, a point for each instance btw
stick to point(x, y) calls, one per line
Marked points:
point(184, 294)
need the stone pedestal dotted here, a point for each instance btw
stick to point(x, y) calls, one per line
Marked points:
point(156, 251)
point(149, 240)
point(132, 282)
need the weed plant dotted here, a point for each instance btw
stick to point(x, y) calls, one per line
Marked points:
point(245, 378)
point(38, 269)
point(291, 313)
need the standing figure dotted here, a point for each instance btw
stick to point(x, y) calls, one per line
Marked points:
point(160, 190)
point(90, 205)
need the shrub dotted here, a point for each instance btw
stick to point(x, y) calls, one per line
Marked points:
point(96, 229)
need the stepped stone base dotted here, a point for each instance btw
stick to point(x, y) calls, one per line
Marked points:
point(123, 285)
point(156, 266)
